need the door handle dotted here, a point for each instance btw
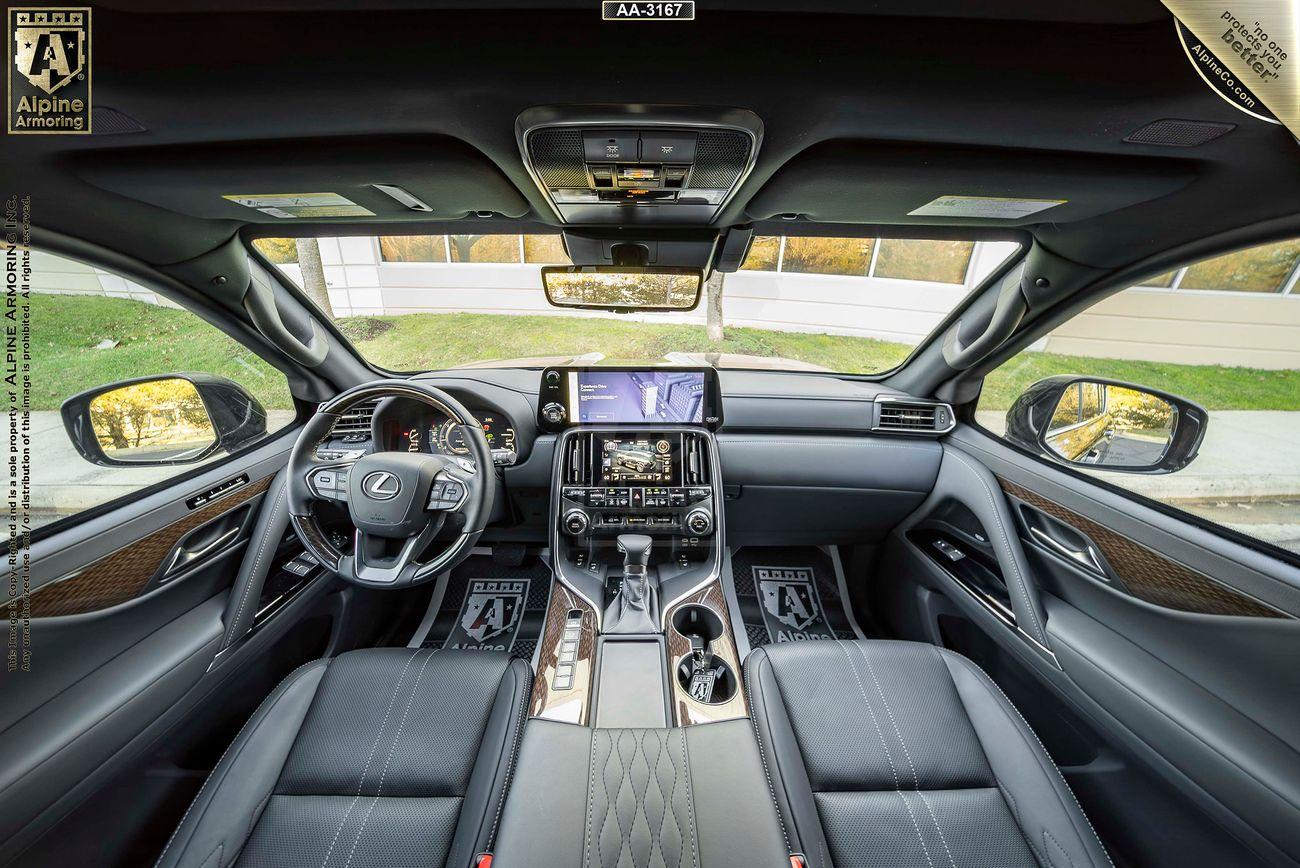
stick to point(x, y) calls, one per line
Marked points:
point(184, 555)
point(1085, 556)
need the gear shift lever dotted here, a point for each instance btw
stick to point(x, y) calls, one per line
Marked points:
point(632, 610)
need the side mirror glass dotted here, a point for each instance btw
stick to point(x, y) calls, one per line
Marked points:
point(1107, 425)
point(156, 421)
point(620, 288)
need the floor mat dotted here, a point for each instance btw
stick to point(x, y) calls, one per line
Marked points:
point(489, 606)
point(789, 595)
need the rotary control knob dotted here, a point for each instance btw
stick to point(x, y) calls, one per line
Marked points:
point(699, 522)
point(574, 522)
point(553, 413)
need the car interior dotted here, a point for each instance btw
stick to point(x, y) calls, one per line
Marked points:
point(594, 610)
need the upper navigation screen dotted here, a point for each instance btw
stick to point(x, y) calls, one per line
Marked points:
point(627, 397)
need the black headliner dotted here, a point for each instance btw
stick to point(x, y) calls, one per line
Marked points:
point(1020, 95)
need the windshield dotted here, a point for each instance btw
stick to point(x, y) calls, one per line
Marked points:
point(431, 302)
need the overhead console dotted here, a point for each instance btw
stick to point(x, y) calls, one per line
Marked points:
point(638, 164)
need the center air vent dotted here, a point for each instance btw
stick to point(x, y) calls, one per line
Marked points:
point(913, 417)
point(695, 460)
point(354, 425)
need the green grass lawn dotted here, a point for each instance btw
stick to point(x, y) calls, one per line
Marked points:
point(156, 340)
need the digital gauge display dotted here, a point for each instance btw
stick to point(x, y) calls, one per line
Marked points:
point(448, 437)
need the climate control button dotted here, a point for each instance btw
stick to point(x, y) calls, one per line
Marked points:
point(574, 522)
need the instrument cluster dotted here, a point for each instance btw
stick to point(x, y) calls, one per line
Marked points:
point(417, 428)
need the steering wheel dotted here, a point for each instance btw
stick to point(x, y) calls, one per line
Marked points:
point(398, 501)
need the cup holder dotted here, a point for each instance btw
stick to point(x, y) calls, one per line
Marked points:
point(724, 686)
point(695, 620)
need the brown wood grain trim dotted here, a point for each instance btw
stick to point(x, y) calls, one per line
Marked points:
point(573, 705)
point(1149, 575)
point(686, 710)
point(123, 574)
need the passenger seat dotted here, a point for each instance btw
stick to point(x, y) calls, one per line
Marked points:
point(905, 754)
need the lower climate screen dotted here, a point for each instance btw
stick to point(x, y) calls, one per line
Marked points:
point(628, 459)
point(675, 397)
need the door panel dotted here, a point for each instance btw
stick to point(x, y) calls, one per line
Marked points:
point(127, 618)
point(130, 571)
point(1175, 645)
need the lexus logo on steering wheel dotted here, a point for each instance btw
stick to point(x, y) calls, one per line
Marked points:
point(381, 485)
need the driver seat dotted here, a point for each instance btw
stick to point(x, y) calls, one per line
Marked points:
point(377, 757)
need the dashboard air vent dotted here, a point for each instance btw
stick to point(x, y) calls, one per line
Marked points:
point(913, 417)
point(695, 460)
point(354, 425)
point(577, 461)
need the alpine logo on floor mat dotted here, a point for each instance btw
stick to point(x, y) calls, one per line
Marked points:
point(792, 608)
point(489, 617)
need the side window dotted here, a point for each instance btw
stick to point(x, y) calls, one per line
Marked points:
point(92, 329)
point(1223, 334)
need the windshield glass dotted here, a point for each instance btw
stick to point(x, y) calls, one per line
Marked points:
point(430, 302)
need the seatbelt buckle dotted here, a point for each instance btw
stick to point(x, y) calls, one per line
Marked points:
point(797, 861)
point(483, 860)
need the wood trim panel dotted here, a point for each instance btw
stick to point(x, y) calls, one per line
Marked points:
point(686, 710)
point(572, 705)
point(1149, 575)
point(122, 575)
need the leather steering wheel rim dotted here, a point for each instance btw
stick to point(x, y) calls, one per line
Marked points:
point(478, 478)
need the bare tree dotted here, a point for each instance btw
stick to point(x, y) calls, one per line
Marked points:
point(713, 311)
point(313, 274)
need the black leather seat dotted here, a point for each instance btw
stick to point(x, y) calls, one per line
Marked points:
point(382, 757)
point(904, 754)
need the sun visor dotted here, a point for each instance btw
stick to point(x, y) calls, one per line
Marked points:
point(254, 182)
point(855, 182)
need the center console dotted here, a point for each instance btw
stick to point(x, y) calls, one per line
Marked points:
point(637, 543)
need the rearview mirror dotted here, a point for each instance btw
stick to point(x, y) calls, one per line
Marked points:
point(158, 421)
point(619, 288)
point(1107, 425)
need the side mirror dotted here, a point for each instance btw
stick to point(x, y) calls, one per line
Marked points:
point(1107, 425)
point(158, 421)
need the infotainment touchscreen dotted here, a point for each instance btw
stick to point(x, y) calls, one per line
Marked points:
point(636, 459)
point(622, 397)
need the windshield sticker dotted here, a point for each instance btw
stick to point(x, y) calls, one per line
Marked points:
point(990, 207)
point(289, 205)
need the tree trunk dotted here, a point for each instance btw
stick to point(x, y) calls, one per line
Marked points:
point(313, 274)
point(713, 313)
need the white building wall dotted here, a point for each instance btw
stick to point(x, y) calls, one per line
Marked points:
point(1224, 328)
